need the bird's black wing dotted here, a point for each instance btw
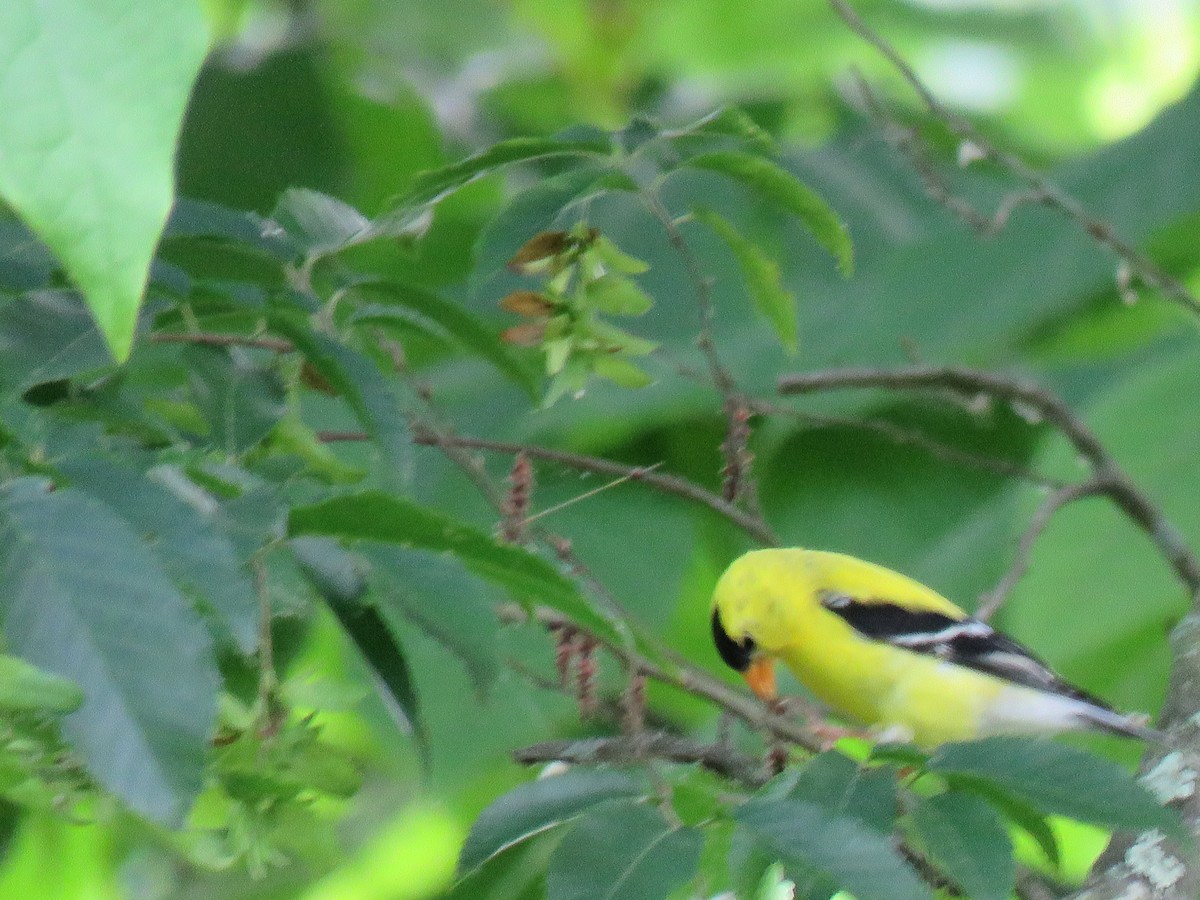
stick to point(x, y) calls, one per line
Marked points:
point(965, 642)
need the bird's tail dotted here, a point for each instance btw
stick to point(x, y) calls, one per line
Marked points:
point(1116, 723)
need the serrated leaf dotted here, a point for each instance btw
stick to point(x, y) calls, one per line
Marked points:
point(430, 187)
point(240, 400)
point(84, 599)
point(1059, 779)
point(356, 378)
point(45, 336)
point(623, 851)
point(1019, 812)
point(447, 602)
point(178, 519)
point(538, 806)
point(465, 328)
point(786, 191)
point(968, 841)
point(318, 222)
point(763, 280)
point(337, 578)
point(617, 296)
point(376, 516)
point(840, 785)
point(94, 95)
point(26, 688)
point(857, 858)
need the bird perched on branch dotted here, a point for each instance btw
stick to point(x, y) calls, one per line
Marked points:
point(889, 652)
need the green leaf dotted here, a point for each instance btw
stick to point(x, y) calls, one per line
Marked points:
point(94, 93)
point(26, 688)
point(462, 326)
point(620, 371)
point(857, 858)
point(84, 599)
point(356, 378)
point(1020, 813)
point(430, 187)
point(192, 218)
point(338, 579)
point(451, 605)
point(1059, 779)
point(538, 806)
point(616, 259)
point(376, 516)
point(240, 400)
point(786, 191)
point(45, 336)
point(617, 296)
point(763, 280)
point(728, 121)
point(320, 223)
point(968, 841)
point(178, 520)
point(838, 784)
point(623, 851)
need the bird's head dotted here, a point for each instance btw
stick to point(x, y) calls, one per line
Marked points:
point(741, 651)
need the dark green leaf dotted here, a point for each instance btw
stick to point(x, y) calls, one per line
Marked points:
point(431, 187)
point(84, 599)
point(623, 851)
point(191, 218)
point(178, 520)
point(537, 806)
point(357, 379)
point(337, 578)
point(857, 858)
point(762, 277)
point(787, 191)
point(462, 326)
point(376, 516)
point(968, 841)
point(240, 400)
point(838, 784)
point(1059, 779)
point(45, 336)
point(1017, 811)
point(447, 602)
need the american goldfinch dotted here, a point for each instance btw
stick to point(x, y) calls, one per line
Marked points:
point(889, 652)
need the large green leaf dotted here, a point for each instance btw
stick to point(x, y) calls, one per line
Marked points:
point(536, 806)
point(1058, 779)
point(83, 598)
point(968, 841)
point(837, 783)
point(445, 600)
point(179, 521)
point(856, 857)
point(376, 516)
point(94, 93)
point(240, 400)
point(623, 851)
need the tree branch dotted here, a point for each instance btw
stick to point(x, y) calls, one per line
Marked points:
point(1038, 186)
point(278, 345)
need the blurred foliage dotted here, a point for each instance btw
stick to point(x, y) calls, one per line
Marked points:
point(370, 194)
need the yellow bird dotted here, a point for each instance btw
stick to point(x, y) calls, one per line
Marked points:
point(889, 652)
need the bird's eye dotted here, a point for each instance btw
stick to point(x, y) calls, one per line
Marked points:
point(737, 654)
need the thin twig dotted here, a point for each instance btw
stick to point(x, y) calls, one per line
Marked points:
point(669, 484)
point(278, 345)
point(638, 748)
point(1045, 191)
point(991, 601)
point(1109, 478)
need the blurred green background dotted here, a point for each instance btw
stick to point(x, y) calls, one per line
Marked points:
point(354, 97)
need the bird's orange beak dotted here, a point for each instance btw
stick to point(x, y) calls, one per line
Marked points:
point(761, 678)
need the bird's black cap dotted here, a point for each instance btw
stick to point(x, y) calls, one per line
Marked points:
point(737, 654)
